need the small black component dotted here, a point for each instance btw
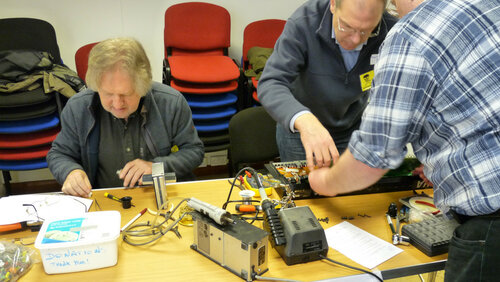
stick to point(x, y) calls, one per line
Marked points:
point(393, 210)
point(126, 202)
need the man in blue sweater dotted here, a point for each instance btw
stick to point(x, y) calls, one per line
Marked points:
point(316, 82)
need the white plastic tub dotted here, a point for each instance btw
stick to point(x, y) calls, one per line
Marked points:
point(79, 243)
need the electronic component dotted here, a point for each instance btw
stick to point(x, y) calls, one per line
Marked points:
point(158, 174)
point(220, 216)
point(268, 184)
point(305, 238)
point(431, 236)
point(238, 247)
point(147, 179)
point(295, 175)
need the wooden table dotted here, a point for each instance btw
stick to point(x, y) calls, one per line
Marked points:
point(172, 259)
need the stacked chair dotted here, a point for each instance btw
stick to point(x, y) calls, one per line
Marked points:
point(196, 41)
point(82, 59)
point(29, 120)
point(263, 33)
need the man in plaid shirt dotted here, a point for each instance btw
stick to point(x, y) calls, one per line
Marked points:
point(437, 86)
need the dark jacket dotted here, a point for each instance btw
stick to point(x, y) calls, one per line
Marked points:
point(306, 72)
point(168, 123)
point(23, 70)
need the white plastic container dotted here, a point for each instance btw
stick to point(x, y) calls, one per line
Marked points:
point(79, 243)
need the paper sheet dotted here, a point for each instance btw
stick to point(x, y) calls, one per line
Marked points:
point(14, 209)
point(359, 245)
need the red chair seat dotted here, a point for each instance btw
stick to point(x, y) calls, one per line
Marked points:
point(25, 153)
point(212, 88)
point(29, 139)
point(203, 69)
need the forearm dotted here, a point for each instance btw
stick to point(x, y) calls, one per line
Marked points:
point(347, 175)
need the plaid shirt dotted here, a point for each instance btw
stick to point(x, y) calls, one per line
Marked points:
point(437, 86)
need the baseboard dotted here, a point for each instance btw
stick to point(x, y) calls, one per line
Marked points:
point(30, 187)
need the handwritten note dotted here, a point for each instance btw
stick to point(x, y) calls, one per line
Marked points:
point(359, 245)
point(73, 258)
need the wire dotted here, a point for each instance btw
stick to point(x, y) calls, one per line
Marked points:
point(235, 178)
point(153, 231)
point(275, 279)
point(351, 267)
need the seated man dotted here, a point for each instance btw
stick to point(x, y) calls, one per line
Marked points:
point(122, 124)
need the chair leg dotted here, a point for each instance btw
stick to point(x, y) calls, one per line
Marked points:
point(6, 180)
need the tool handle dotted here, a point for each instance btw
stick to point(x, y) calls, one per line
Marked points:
point(246, 208)
point(272, 223)
point(12, 227)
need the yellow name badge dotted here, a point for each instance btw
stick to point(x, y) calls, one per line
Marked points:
point(366, 80)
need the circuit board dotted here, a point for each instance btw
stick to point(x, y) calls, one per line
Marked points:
point(295, 174)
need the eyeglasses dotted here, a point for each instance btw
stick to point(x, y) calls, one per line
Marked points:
point(352, 31)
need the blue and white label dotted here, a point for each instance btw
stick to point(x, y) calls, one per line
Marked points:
point(63, 231)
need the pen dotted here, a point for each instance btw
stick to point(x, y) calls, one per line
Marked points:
point(133, 219)
point(389, 220)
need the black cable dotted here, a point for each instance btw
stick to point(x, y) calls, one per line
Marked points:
point(351, 267)
point(234, 181)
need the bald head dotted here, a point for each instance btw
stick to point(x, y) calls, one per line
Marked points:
point(361, 3)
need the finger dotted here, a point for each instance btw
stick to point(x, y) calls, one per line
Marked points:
point(334, 153)
point(137, 175)
point(309, 159)
point(129, 176)
point(125, 170)
point(78, 186)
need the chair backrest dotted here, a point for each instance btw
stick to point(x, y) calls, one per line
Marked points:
point(197, 27)
point(252, 137)
point(82, 59)
point(263, 33)
point(30, 34)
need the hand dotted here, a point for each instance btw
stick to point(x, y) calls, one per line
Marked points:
point(318, 144)
point(318, 179)
point(420, 172)
point(133, 171)
point(77, 183)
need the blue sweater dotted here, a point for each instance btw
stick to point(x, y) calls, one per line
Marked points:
point(168, 123)
point(306, 72)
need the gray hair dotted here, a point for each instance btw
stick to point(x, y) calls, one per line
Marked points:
point(125, 53)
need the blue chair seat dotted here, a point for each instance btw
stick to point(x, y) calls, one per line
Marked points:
point(29, 125)
point(211, 101)
point(23, 165)
point(212, 125)
point(213, 113)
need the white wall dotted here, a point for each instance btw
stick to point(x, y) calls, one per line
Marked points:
point(78, 22)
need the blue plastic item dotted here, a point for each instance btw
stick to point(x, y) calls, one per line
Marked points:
point(211, 100)
point(23, 165)
point(213, 113)
point(29, 125)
